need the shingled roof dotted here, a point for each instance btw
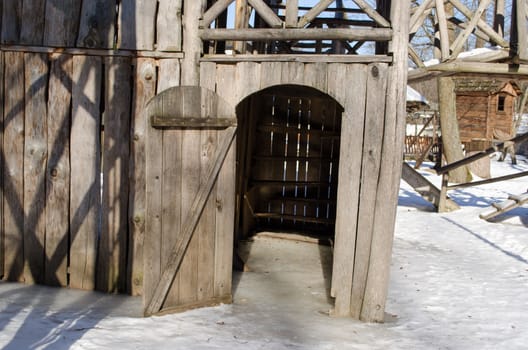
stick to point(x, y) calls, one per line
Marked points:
point(491, 86)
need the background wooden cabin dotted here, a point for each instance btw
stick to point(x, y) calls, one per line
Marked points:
point(485, 111)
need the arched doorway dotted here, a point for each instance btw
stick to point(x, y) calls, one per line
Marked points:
point(288, 157)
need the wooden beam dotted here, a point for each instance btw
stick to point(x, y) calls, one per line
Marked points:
point(298, 58)
point(176, 255)
point(497, 39)
point(374, 34)
point(482, 68)
point(92, 52)
point(213, 12)
point(458, 44)
point(292, 13)
point(314, 12)
point(522, 30)
point(372, 13)
point(442, 25)
point(419, 15)
point(498, 20)
point(197, 122)
point(266, 13)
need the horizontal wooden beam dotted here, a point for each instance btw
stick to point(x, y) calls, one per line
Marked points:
point(483, 68)
point(91, 52)
point(191, 123)
point(299, 58)
point(488, 181)
point(373, 34)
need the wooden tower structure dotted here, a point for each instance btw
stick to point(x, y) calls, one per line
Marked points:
point(136, 140)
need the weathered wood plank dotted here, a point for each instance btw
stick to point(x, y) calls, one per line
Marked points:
point(58, 170)
point(192, 45)
point(387, 195)
point(32, 28)
point(315, 75)
point(292, 73)
point(522, 30)
point(62, 20)
point(373, 139)
point(13, 166)
point(112, 250)
point(137, 24)
point(271, 74)
point(2, 157)
point(169, 74)
point(35, 156)
point(144, 90)
point(189, 226)
point(11, 17)
point(352, 126)
point(85, 184)
point(175, 122)
point(169, 25)
point(97, 24)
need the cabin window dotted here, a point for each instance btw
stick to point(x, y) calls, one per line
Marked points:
point(501, 103)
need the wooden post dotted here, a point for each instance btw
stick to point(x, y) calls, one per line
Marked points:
point(241, 22)
point(498, 20)
point(192, 44)
point(2, 238)
point(442, 25)
point(292, 12)
point(522, 29)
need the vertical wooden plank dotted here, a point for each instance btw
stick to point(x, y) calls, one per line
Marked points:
point(292, 12)
point(97, 24)
point(112, 250)
point(144, 90)
point(33, 15)
point(11, 17)
point(387, 196)
point(35, 156)
point(247, 78)
point(315, 75)
point(225, 193)
point(2, 157)
point(207, 226)
point(192, 44)
point(169, 25)
point(271, 74)
point(169, 74)
point(373, 138)
point(153, 222)
point(522, 29)
point(62, 21)
point(191, 174)
point(13, 166)
point(136, 28)
point(352, 126)
point(85, 191)
point(58, 170)
point(292, 73)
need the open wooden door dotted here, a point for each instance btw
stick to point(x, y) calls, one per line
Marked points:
point(190, 200)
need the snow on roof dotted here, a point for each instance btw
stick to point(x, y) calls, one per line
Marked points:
point(466, 54)
point(415, 96)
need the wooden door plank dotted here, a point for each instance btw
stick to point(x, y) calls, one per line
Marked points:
point(13, 166)
point(137, 24)
point(292, 73)
point(373, 139)
point(112, 250)
point(169, 25)
point(189, 226)
point(144, 90)
point(62, 18)
point(97, 27)
point(271, 74)
point(85, 192)
point(58, 170)
point(353, 123)
point(11, 21)
point(32, 23)
point(315, 75)
point(35, 156)
point(169, 74)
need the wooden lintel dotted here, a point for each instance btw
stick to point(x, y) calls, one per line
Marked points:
point(192, 123)
point(299, 58)
point(372, 34)
point(92, 52)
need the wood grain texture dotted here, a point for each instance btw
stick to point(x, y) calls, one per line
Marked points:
point(58, 170)
point(192, 45)
point(85, 186)
point(11, 21)
point(13, 166)
point(169, 25)
point(32, 23)
point(35, 157)
point(137, 24)
point(169, 74)
point(97, 27)
point(352, 126)
point(376, 85)
point(112, 250)
point(376, 290)
point(2, 235)
point(144, 90)
point(62, 19)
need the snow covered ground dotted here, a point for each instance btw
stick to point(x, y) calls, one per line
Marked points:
point(457, 282)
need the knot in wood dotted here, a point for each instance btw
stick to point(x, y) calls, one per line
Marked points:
point(374, 71)
point(54, 173)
